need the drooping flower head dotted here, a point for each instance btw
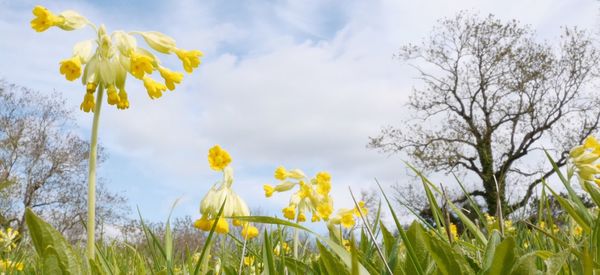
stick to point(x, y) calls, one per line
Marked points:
point(8, 238)
point(312, 195)
point(346, 216)
point(220, 192)
point(104, 61)
point(585, 160)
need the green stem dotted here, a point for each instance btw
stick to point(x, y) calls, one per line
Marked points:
point(91, 219)
point(296, 243)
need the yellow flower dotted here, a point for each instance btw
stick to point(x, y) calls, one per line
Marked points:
point(301, 217)
point(268, 190)
point(88, 103)
point(154, 88)
point(289, 212)
point(361, 209)
point(123, 101)
point(577, 231)
point(542, 225)
point(8, 265)
point(325, 210)
point(8, 238)
point(347, 220)
point(107, 59)
point(591, 143)
point(305, 190)
point(454, 231)
point(171, 78)
point(555, 229)
point(190, 59)
point(140, 65)
point(222, 226)
point(203, 224)
point(315, 218)
point(71, 68)
point(218, 158)
point(222, 193)
point(113, 97)
point(347, 245)
point(281, 173)
point(44, 19)
point(508, 227)
point(249, 232)
point(323, 183)
point(248, 260)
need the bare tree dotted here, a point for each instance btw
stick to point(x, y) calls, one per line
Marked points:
point(43, 164)
point(492, 98)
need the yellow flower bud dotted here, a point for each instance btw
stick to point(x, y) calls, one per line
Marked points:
point(218, 158)
point(112, 96)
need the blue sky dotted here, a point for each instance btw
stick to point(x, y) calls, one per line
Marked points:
point(296, 83)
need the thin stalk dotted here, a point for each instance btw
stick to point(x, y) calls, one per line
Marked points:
point(296, 240)
point(91, 219)
point(364, 220)
point(243, 253)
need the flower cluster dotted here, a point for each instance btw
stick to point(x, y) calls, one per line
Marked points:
point(104, 62)
point(312, 195)
point(493, 224)
point(346, 216)
point(220, 192)
point(8, 239)
point(585, 157)
point(10, 266)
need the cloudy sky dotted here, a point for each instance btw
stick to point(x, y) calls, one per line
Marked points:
point(296, 83)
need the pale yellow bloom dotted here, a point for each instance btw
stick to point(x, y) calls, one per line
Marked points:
point(249, 232)
point(281, 173)
point(44, 19)
point(289, 212)
point(8, 266)
point(190, 59)
point(8, 239)
point(222, 192)
point(454, 231)
point(113, 97)
point(154, 88)
point(140, 65)
point(88, 103)
point(249, 260)
point(106, 60)
point(577, 231)
point(323, 183)
point(171, 78)
point(123, 100)
point(218, 158)
point(71, 68)
point(268, 190)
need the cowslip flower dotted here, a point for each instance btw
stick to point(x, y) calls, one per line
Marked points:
point(8, 239)
point(346, 216)
point(103, 64)
point(222, 192)
point(312, 196)
point(106, 60)
point(585, 160)
point(10, 266)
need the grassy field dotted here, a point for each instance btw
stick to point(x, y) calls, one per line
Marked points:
point(568, 243)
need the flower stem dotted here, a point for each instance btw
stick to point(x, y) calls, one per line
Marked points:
point(296, 240)
point(91, 219)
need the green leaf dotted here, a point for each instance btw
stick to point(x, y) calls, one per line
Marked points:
point(525, 265)
point(447, 260)
point(412, 255)
point(268, 259)
point(493, 242)
point(332, 264)
point(57, 255)
point(504, 258)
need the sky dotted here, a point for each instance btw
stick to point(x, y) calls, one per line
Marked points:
point(301, 84)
